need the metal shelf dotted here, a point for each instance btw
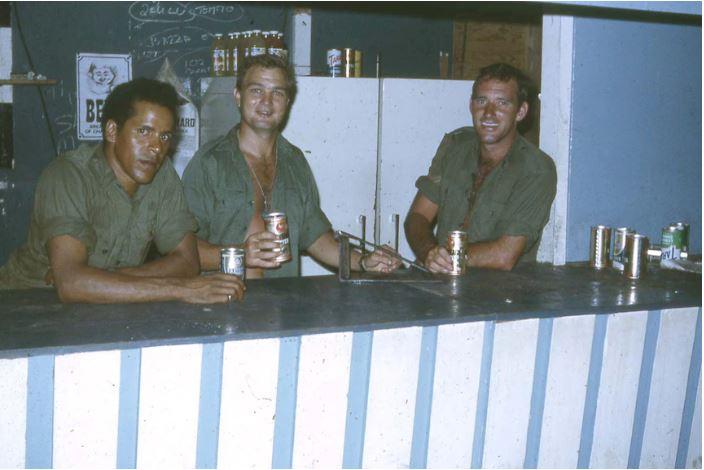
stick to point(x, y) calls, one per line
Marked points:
point(24, 81)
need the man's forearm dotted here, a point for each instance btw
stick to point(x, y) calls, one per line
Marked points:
point(419, 233)
point(209, 256)
point(502, 253)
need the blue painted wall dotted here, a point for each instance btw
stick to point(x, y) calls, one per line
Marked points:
point(636, 136)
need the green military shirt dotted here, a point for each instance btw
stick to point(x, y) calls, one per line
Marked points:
point(79, 195)
point(514, 199)
point(219, 192)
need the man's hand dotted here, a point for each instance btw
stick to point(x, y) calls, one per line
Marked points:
point(382, 260)
point(211, 289)
point(261, 249)
point(438, 260)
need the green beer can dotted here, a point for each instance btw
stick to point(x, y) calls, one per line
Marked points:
point(672, 242)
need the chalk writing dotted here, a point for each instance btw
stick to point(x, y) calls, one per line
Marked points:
point(182, 12)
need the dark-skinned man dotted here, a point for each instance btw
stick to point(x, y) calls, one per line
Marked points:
point(487, 180)
point(98, 209)
point(252, 170)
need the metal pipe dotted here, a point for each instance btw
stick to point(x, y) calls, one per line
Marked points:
point(342, 234)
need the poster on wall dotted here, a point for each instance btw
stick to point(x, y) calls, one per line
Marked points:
point(96, 76)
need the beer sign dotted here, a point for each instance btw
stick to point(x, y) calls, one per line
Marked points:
point(96, 76)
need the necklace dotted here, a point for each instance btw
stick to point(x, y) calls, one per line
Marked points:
point(267, 202)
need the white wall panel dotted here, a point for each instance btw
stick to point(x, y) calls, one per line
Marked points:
point(694, 453)
point(86, 404)
point(510, 389)
point(5, 65)
point(392, 398)
point(456, 385)
point(321, 406)
point(416, 114)
point(613, 425)
point(168, 406)
point(13, 412)
point(565, 391)
point(248, 404)
point(668, 386)
point(334, 122)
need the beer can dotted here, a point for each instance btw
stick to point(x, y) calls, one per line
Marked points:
point(456, 245)
point(232, 261)
point(684, 227)
point(348, 62)
point(599, 246)
point(635, 256)
point(619, 246)
point(276, 223)
point(357, 63)
point(334, 59)
point(671, 243)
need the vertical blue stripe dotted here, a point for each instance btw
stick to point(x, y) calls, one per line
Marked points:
point(209, 407)
point(128, 415)
point(357, 396)
point(594, 379)
point(690, 397)
point(285, 422)
point(537, 397)
point(39, 452)
point(652, 329)
point(424, 397)
point(483, 395)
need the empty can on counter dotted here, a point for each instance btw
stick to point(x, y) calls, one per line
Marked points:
point(357, 63)
point(334, 59)
point(684, 228)
point(348, 62)
point(456, 246)
point(672, 242)
point(599, 247)
point(232, 261)
point(620, 245)
point(635, 256)
point(276, 223)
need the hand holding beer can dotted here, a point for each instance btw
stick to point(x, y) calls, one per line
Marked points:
point(457, 246)
point(276, 223)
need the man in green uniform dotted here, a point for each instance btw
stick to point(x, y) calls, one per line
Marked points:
point(252, 170)
point(98, 209)
point(487, 180)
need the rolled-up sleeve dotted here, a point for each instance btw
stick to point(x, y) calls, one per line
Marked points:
point(528, 208)
point(59, 211)
point(315, 222)
point(174, 219)
point(430, 184)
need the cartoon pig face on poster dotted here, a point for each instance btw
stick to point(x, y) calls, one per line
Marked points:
point(96, 76)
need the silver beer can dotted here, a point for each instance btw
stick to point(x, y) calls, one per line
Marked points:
point(334, 60)
point(456, 246)
point(276, 223)
point(232, 261)
point(636, 256)
point(620, 245)
point(599, 247)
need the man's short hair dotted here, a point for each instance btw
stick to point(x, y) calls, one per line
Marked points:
point(119, 105)
point(504, 73)
point(269, 62)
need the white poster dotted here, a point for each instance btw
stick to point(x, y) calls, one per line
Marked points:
point(96, 76)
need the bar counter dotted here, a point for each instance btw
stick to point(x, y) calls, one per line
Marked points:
point(542, 366)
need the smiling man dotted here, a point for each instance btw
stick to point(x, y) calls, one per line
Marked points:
point(98, 209)
point(233, 180)
point(487, 180)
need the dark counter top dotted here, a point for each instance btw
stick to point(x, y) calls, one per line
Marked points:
point(34, 322)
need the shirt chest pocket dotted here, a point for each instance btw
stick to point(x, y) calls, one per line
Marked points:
point(229, 203)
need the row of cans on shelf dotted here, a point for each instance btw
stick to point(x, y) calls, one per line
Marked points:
point(232, 259)
point(632, 251)
point(229, 51)
point(345, 62)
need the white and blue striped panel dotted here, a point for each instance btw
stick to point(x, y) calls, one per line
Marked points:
point(168, 406)
point(512, 371)
point(321, 405)
point(250, 373)
point(663, 414)
point(568, 369)
point(13, 412)
point(456, 387)
point(392, 398)
point(618, 388)
point(86, 388)
point(694, 448)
